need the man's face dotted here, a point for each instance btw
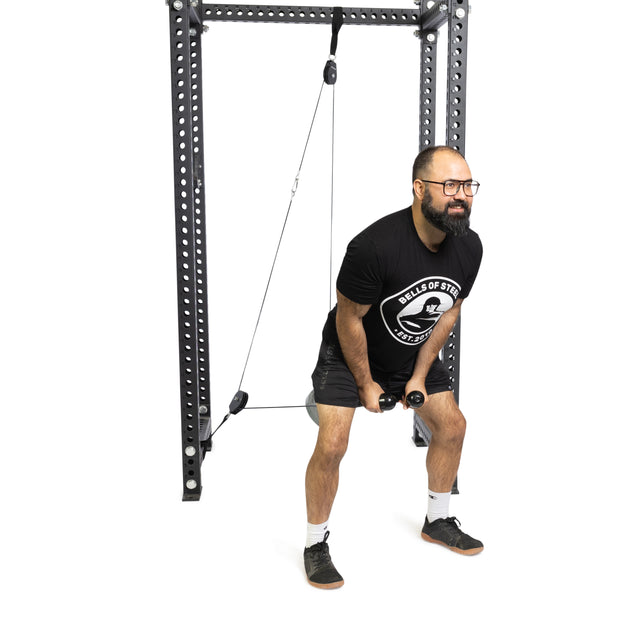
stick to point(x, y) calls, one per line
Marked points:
point(447, 213)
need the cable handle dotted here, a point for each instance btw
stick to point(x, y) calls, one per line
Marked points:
point(387, 401)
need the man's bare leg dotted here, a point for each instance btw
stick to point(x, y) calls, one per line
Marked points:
point(321, 484)
point(448, 426)
point(323, 470)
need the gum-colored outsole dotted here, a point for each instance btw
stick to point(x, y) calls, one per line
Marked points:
point(332, 585)
point(464, 552)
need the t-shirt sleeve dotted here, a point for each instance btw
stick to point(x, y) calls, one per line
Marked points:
point(360, 277)
point(472, 266)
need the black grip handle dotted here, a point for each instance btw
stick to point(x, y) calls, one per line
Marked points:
point(415, 399)
point(387, 401)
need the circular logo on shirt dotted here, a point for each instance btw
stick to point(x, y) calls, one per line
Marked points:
point(411, 314)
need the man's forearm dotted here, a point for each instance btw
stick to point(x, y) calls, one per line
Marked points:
point(353, 342)
point(436, 341)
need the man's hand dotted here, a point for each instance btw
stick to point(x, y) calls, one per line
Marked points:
point(414, 384)
point(370, 396)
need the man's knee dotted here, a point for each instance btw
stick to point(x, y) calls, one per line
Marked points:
point(455, 428)
point(333, 434)
point(331, 449)
point(447, 422)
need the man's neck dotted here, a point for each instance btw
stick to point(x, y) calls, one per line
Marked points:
point(430, 237)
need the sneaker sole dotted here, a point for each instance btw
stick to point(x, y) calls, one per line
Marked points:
point(464, 552)
point(330, 585)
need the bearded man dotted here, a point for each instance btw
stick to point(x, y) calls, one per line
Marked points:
point(399, 293)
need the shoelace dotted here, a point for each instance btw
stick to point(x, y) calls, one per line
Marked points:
point(321, 553)
point(320, 550)
point(453, 520)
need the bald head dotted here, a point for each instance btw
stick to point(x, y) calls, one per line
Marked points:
point(424, 160)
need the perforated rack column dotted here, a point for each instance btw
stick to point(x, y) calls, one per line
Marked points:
point(186, 87)
point(455, 137)
point(428, 64)
point(457, 12)
point(186, 20)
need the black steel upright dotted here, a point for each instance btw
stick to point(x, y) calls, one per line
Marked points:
point(428, 64)
point(455, 137)
point(455, 13)
point(186, 21)
point(186, 86)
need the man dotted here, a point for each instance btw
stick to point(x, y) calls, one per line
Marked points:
point(399, 293)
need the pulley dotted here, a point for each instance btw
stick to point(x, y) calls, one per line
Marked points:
point(330, 68)
point(330, 74)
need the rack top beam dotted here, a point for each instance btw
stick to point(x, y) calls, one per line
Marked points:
point(308, 15)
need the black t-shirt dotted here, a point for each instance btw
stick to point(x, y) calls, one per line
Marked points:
point(408, 286)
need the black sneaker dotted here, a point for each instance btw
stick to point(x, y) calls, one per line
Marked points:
point(320, 570)
point(446, 531)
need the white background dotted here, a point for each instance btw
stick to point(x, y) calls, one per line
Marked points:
point(96, 540)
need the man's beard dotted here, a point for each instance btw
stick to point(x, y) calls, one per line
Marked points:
point(455, 225)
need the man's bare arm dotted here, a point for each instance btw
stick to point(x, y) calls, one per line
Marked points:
point(431, 348)
point(353, 342)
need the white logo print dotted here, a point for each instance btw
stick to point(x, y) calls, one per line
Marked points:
point(411, 314)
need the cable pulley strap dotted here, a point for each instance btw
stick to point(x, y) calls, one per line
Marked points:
point(330, 73)
point(336, 22)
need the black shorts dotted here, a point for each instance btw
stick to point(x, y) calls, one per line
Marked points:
point(333, 382)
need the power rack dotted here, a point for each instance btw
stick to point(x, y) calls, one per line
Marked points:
point(187, 20)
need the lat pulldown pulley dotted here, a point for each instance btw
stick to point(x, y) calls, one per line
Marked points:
point(238, 403)
point(330, 69)
point(330, 76)
point(387, 401)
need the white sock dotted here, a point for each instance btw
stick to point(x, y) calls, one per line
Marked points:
point(438, 505)
point(315, 533)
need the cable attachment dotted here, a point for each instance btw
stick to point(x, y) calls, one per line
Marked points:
point(236, 405)
point(330, 69)
point(239, 402)
point(294, 187)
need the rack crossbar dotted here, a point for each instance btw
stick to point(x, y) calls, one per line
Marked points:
point(308, 15)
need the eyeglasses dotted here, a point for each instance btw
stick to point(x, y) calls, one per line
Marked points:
point(451, 187)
